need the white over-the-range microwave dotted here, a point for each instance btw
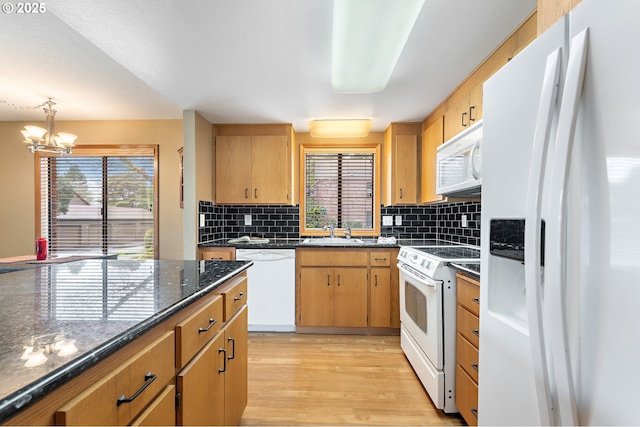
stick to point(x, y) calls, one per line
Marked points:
point(459, 164)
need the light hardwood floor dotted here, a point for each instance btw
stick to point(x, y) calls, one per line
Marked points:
point(300, 379)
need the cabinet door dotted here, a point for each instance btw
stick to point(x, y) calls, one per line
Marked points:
point(405, 169)
point(475, 104)
point(201, 386)
point(454, 121)
point(235, 397)
point(432, 138)
point(233, 169)
point(270, 169)
point(316, 296)
point(350, 297)
point(380, 291)
point(161, 412)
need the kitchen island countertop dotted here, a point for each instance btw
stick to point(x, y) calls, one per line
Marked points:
point(97, 305)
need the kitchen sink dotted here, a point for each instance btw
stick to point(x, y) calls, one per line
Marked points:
point(328, 241)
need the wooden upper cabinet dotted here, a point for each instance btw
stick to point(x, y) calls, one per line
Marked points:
point(270, 182)
point(550, 11)
point(432, 138)
point(464, 113)
point(254, 168)
point(400, 165)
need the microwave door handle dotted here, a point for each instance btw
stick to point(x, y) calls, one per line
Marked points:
point(474, 170)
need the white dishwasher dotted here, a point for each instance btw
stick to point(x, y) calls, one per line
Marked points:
point(272, 288)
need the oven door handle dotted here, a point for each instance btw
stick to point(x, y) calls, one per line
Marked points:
point(426, 280)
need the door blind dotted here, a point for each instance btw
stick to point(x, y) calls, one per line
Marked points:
point(98, 205)
point(339, 189)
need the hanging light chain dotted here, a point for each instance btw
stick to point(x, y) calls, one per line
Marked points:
point(17, 107)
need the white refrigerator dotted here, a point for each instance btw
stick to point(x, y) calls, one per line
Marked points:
point(560, 239)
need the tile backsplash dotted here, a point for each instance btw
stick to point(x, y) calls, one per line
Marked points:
point(443, 221)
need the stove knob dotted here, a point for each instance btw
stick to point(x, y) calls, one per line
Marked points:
point(413, 258)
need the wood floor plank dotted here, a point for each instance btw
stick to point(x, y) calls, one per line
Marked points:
point(304, 379)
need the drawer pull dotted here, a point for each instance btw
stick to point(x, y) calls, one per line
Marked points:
point(239, 297)
point(475, 366)
point(211, 323)
point(224, 367)
point(476, 332)
point(148, 378)
point(474, 411)
point(233, 348)
point(476, 300)
point(380, 259)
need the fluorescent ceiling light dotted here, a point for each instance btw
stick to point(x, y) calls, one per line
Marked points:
point(368, 38)
point(339, 128)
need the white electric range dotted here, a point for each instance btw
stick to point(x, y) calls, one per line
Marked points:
point(428, 314)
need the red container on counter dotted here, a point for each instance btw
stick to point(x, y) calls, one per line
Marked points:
point(41, 248)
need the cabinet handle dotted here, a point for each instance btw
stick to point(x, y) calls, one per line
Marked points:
point(475, 366)
point(380, 259)
point(471, 118)
point(476, 332)
point(401, 193)
point(211, 323)
point(148, 379)
point(239, 297)
point(246, 193)
point(474, 411)
point(233, 348)
point(224, 367)
point(476, 300)
point(463, 123)
point(328, 280)
point(338, 280)
point(255, 193)
point(376, 276)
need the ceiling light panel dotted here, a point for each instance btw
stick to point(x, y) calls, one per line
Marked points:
point(368, 38)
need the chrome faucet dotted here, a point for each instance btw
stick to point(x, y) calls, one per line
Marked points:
point(331, 229)
point(347, 233)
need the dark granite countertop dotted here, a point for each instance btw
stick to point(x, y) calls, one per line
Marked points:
point(100, 305)
point(472, 270)
point(367, 242)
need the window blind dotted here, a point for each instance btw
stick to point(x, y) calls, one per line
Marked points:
point(339, 189)
point(98, 204)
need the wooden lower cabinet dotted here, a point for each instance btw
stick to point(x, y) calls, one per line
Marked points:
point(201, 386)
point(217, 253)
point(334, 297)
point(347, 288)
point(213, 385)
point(380, 297)
point(467, 345)
point(188, 370)
point(161, 412)
point(235, 382)
point(119, 397)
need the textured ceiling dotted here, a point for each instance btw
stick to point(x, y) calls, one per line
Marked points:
point(234, 61)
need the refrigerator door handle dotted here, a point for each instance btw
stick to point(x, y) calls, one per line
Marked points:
point(533, 225)
point(556, 276)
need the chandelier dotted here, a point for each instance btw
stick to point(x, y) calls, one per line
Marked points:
point(40, 139)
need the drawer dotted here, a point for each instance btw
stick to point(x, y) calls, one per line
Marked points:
point(469, 293)
point(195, 331)
point(466, 396)
point(380, 259)
point(318, 257)
point(161, 412)
point(467, 357)
point(139, 379)
point(468, 325)
point(218, 253)
point(234, 295)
